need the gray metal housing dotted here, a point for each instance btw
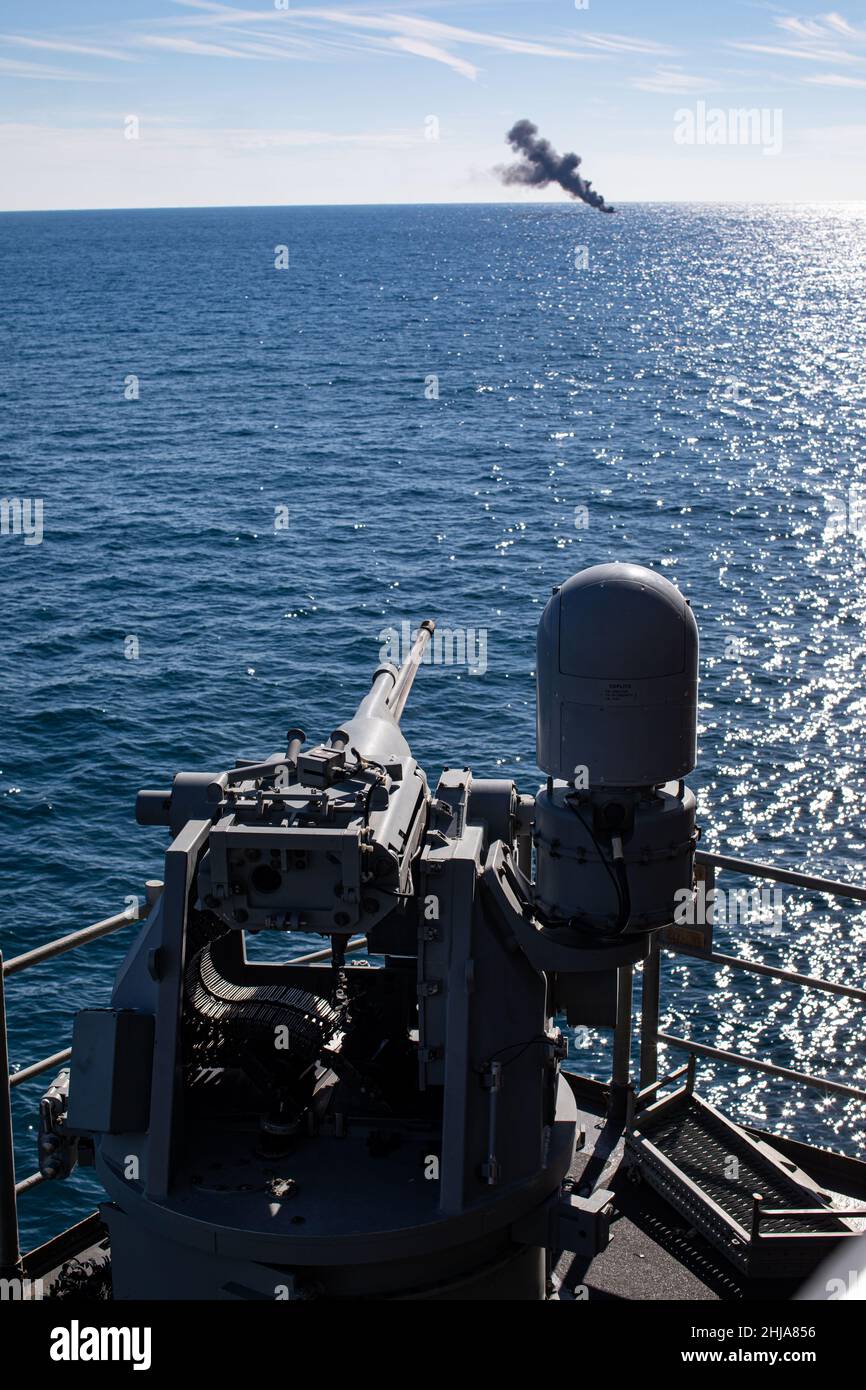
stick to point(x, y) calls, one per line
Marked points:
point(617, 667)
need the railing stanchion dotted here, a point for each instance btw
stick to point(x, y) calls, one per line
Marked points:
point(757, 1199)
point(621, 1072)
point(649, 1017)
point(10, 1253)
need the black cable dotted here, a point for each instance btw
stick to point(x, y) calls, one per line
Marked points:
point(610, 873)
point(617, 874)
point(540, 1038)
point(625, 912)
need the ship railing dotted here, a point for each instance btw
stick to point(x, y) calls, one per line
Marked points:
point(708, 862)
point(761, 1213)
point(10, 1190)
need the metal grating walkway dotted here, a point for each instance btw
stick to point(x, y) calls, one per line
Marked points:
point(726, 1167)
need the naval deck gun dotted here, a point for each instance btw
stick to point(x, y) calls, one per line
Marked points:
point(398, 1124)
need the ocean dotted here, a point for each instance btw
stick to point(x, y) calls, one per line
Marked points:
point(252, 440)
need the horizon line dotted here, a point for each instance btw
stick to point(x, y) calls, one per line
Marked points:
point(541, 202)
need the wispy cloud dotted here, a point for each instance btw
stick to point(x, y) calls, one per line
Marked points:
point(433, 31)
point(836, 79)
point(211, 29)
point(829, 38)
point(165, 134)
point(41, 72)
point(422, 49)
point(228, 14)
point(308, 139)
point(445, 33)
point(63, 46)
point(395, 24)
point(826, 26)
point(809, 55)
point(622, 43)
point(801, 28)
point(672, 82)
point(841, 26)
point(426, 38)
point(195, 46)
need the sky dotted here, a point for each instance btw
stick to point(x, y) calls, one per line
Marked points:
point(191, 103)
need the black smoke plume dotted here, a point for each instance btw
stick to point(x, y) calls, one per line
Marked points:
point(540, 165)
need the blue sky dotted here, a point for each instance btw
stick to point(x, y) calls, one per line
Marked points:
point(286, 101)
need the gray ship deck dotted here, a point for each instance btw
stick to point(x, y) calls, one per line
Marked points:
point(654, 1254)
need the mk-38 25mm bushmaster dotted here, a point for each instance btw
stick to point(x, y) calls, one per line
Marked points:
point(390, 1117)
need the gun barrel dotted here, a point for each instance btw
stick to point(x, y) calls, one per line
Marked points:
point(406, 675)
point(385, 700)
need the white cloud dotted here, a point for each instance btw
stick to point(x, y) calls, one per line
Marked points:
point(228, 12)
point(208, 50)
point(827, 26)
point(63, 46)
point(395, 25)
point(12, 67)
point(424, 37)
point(622, 43)
point(836, 79)
point(672, 82)
point(304, 31)
point(810, 55)
point(307, 139)
point(801, 28)
point(422, 49)
point(410, 27)
point(162, 136)
point(812, 40)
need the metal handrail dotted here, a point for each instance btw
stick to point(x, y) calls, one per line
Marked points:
point(801, 1213)
point(644, 1094)
point(651, 1036)
point(805, 1078)
point(74, 939)
point(27, 1184)
point(756, 967)
point(793, 876)
point(357, 943)
point(10, 1190)
point(36, 1068)
point(761, 1213)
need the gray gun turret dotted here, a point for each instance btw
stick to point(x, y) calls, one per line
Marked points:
point(395, 1126)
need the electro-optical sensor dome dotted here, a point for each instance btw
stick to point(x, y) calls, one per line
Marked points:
point(617, 679)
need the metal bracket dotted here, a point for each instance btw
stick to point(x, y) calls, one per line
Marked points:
point(580, 1225)
point(57, 1148)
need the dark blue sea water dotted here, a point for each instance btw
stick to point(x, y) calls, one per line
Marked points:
point(693, 376)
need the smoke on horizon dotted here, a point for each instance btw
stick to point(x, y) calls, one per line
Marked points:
point(540, 165)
